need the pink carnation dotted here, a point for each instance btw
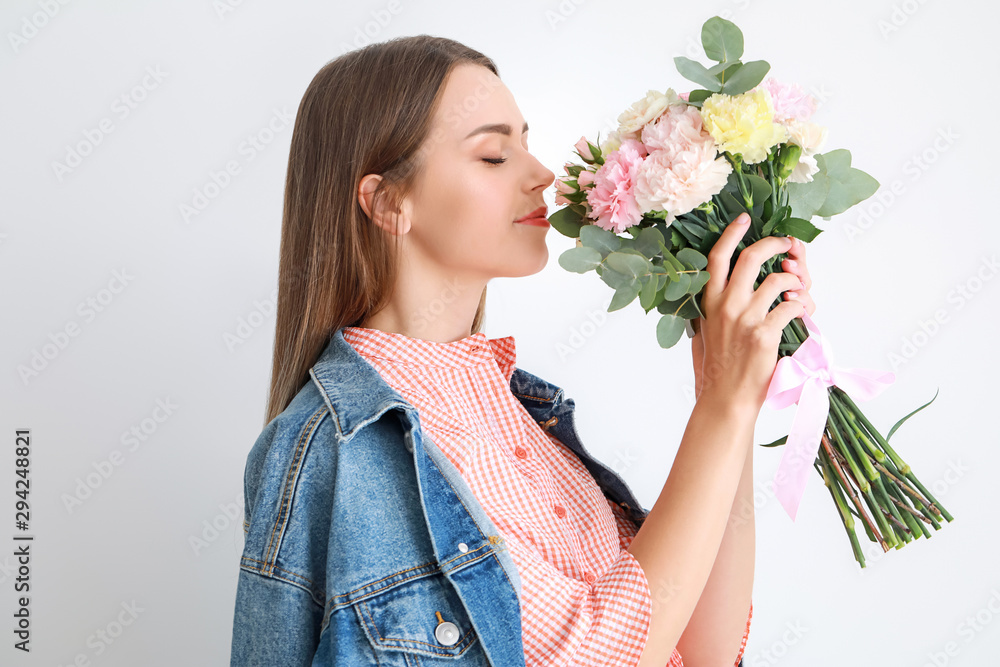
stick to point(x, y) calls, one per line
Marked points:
point(612, 198)
point(676, 130)
point(790, 101)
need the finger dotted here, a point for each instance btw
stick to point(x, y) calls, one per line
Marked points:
point(752, 258)
point(796, 262)
point(803, 297)
point(782, 314)
point(770, 290)
point(721, 254)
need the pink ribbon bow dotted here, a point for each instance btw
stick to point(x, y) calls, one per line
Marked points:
point(803, 378)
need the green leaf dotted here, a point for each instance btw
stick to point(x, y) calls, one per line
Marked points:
point(686, 307)
point(677, 288)
point(671, 262)
point(807, 198)
point(669, 329)
point(628, 264)
point(696, 97)
point(797, 227)
point(848, 185)
point(759, 188)
point(779, 441)
point(612, 278)
point(647, 294)
point(722, 40)
point(600, 239)
point(746, 77)
point(698, 282)
point(695, 71)
point(897, 424)
point(624, 295)
point(648, 242)
point(568, 221)
point(580, 259)
point(692, 258)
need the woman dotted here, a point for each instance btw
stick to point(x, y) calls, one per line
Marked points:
point(414, 497)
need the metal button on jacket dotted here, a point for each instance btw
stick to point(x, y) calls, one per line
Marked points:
point(446, 633)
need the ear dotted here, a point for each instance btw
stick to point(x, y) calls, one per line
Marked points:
point(392, 221)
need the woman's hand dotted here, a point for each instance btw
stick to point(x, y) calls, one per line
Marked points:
point(742, 338)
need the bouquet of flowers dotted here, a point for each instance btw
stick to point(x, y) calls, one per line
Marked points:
point(678, 170)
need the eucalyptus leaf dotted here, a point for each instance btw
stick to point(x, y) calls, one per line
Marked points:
point(599, 239)
point(612, 278)
point(692, 258)
point(848, 185)
point(624, 295)
point(580, 259)
point(628, 264)
point(722, 40)
point(569, 220)
point(648, 242)
point(807, 198)
point(695, 71)
point(669, 329)
point(686, 307)
point(677, 288)
point(746, 77)
point(647, 293)
point(698, 282)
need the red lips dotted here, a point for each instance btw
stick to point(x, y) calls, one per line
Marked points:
point(540, 212)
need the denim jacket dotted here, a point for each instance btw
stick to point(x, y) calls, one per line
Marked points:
point(365, 546)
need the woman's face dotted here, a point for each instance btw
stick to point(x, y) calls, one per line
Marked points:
point(475, 182)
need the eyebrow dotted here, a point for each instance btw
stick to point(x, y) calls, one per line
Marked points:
point(500, 128)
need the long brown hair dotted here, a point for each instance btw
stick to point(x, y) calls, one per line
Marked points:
point(368, 111)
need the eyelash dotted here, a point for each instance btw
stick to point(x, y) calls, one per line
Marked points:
point(495, 160)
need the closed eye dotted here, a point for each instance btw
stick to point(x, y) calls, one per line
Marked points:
point(495, 160)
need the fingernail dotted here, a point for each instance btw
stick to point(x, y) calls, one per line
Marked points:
point(791, 262)
point(792, 295)
point(743, 219)
point(802, 284)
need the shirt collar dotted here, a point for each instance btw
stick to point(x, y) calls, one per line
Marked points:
point(471, 350)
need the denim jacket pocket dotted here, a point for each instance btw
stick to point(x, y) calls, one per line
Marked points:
point(419, 617)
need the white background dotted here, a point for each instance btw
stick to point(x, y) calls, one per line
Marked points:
point(892, 77)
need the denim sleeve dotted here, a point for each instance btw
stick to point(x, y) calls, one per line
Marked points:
point(276, 623)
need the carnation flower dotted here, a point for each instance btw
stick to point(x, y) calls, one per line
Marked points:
point(612, 199)
point(810, 137)
point(679, 182)
point(743, 124)
point(643, 111)
point(790, 101)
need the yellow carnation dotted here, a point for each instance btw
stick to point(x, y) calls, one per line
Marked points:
point(743, 124)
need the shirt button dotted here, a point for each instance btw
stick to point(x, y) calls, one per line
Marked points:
point(446, 633)
point(463, 547)
point(589, 576)
point(521, 453)
point(560, 511)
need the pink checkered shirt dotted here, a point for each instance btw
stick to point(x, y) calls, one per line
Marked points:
point(585, 599)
